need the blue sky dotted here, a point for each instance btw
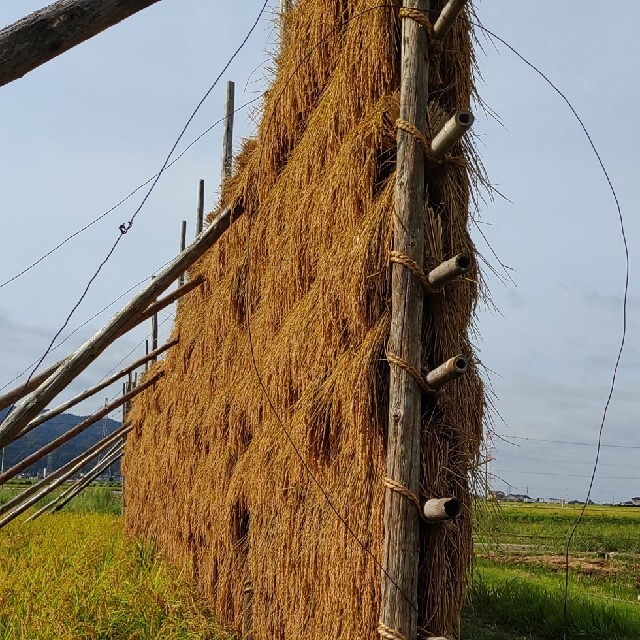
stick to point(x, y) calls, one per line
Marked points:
point(81, 132)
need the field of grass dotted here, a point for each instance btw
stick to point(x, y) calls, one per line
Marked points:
point(74, 576)
point(518, 582)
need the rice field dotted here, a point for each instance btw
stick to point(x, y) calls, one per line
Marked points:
point(74, 575)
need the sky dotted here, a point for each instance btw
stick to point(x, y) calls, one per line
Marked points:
point(81, 132)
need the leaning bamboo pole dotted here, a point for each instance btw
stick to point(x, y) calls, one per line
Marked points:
point(45, 491)
point(83, 458)
point(11, 397)
point(399, 611)
point(75, 364)
point(68, 494)
point(52, 413)
point(85, 424)
point(22, 390)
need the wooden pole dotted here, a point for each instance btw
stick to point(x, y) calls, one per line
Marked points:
point(85, 424)
point(52, 413)
point(146, 351)
point(124, 404)
point(247, 611)
point(50, 506)
point(83, 458)
point(200, 218)
point(399, 608)
point(75, 364)
point(227, 135)
point(183, 246)
point(48, 32)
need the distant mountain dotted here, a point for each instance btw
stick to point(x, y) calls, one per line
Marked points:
point(45, 433)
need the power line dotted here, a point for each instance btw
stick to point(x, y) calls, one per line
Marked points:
point(125, 199)
point(586, 444)
point(565, 475)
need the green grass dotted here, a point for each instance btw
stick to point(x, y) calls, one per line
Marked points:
point(74, 576)
point(548, 526)
point(533, 604)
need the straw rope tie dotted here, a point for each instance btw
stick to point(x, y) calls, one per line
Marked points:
point(388, 633)
point(413, 372)
point(414, 267)
point(421, 139)
point(418, 16)
point(404, 491)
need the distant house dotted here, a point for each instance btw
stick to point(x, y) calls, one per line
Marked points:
point(635, 502)
point(517, 497)
point(555, 500)
point(496, 495)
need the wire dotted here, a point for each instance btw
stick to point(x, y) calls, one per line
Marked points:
point(125, 199)
point(126, 227)
point(585, 444)
point(624, 305)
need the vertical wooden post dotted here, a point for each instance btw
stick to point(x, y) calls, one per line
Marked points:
point(183, 246)
point(124, 406)
point(200, 218)
point(227, 136)
point(154, 330)
point(146, 353)
point(399, 606)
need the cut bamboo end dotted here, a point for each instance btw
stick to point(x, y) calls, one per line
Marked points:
point(450, 370)
point(451, 133)
point(450, 270)
point(447, 17)
point(440, 509)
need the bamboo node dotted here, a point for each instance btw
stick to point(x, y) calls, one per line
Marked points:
point(388, 633)
point(413, 372)
point(414, 267)
point(403, 491)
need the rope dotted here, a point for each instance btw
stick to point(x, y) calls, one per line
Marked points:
point(414, 267)
point(412, 130)
point(435, 44)
point(413, 372)
point(404, 491)
point(388, 633)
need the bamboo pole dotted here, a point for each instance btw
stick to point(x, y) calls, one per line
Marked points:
point(45, 491)
point(75, 364)
point(200, 216)
point(447, 17)
point(18, 392)
point(183, 245)
point(450, 370)
point(52, 503)
point(449, 270)
point(85, 424)
point(401, 542)
point(451, 132)
point(227, 135)
point(21, 390)
point(440, 509)
point(52, 413)
point(83, 458)
point(86, 482)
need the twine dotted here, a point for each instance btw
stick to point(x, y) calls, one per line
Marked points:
point(414, 267)
point(406, 126)
point(388, 633)
point(413, 372)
